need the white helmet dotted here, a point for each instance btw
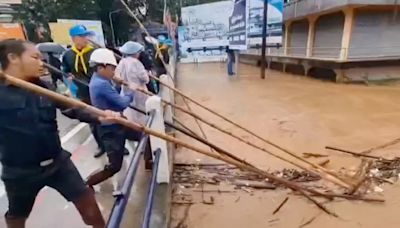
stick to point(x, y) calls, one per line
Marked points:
point(102, 56)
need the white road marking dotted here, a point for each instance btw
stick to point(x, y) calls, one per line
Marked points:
point(72, 133)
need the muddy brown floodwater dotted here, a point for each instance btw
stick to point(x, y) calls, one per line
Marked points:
point(303, 115)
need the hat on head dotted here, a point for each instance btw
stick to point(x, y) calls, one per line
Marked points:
point(167, 42)
point(80, 30)
point(102, 56)
point(131, 48)
point(161, 38)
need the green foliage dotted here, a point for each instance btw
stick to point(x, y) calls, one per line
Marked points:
point(34, 13)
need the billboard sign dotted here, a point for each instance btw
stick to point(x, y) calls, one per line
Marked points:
point(237, 26)
point(94, 26)
point(274, 21)
point(205, 26)
point(60, 32)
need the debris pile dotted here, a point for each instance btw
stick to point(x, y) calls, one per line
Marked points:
point(190, 176)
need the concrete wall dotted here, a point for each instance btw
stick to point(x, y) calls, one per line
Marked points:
point(298, 38)
point(376, 33)
point(372, 73)
point(302, 8)
point(328, 35)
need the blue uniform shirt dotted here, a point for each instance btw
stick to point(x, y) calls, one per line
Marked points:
point(104, 96)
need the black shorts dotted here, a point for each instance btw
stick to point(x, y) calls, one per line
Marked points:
point(22, 194)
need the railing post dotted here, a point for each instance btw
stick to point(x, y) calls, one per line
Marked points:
point(167, 95)
point(154, 103)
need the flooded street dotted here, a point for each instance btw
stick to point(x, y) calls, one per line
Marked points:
point(300, 114)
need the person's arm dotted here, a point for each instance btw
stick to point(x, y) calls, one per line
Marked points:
point(142, 73)
point(72, 113)
point(79, 114)
point(85, 116)
point(64, 65)
point(114, 98)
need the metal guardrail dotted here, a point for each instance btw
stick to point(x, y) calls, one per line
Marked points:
point(152, 189)
point(121, 201)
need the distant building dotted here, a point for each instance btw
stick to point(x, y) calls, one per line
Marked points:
point(344, 40)
point(7, 10)
point(16, 2)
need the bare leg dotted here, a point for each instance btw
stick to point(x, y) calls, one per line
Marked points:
point(89, 210)
point(14, 222)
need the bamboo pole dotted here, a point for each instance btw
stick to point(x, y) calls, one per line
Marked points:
point(326, 174)
point(315, 166)
point(78, 104)
point(214, 147)
point(185, 130)
point(322, 173)
point(357, 154)
point(184, 126)
point(391, 143)
point(205, 141)
point(197, 121)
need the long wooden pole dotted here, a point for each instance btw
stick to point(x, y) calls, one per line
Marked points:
point(357, 154)
point(316, 166)
point(391, 143)
point(322, 173)
point(188, 132)
point(184, 96)
point(78, 104)
point(327, 174)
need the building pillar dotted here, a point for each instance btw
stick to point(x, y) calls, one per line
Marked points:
point(307, 68)
point(287, 37)
point(347, 32)
point(311, 35)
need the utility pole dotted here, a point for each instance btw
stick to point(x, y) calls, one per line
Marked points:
point(264, 40)
point(112, 25)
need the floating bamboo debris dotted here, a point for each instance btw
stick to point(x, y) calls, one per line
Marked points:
point(391, 143)
point(280, 205)
point(362, 174)
point(356, 154)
